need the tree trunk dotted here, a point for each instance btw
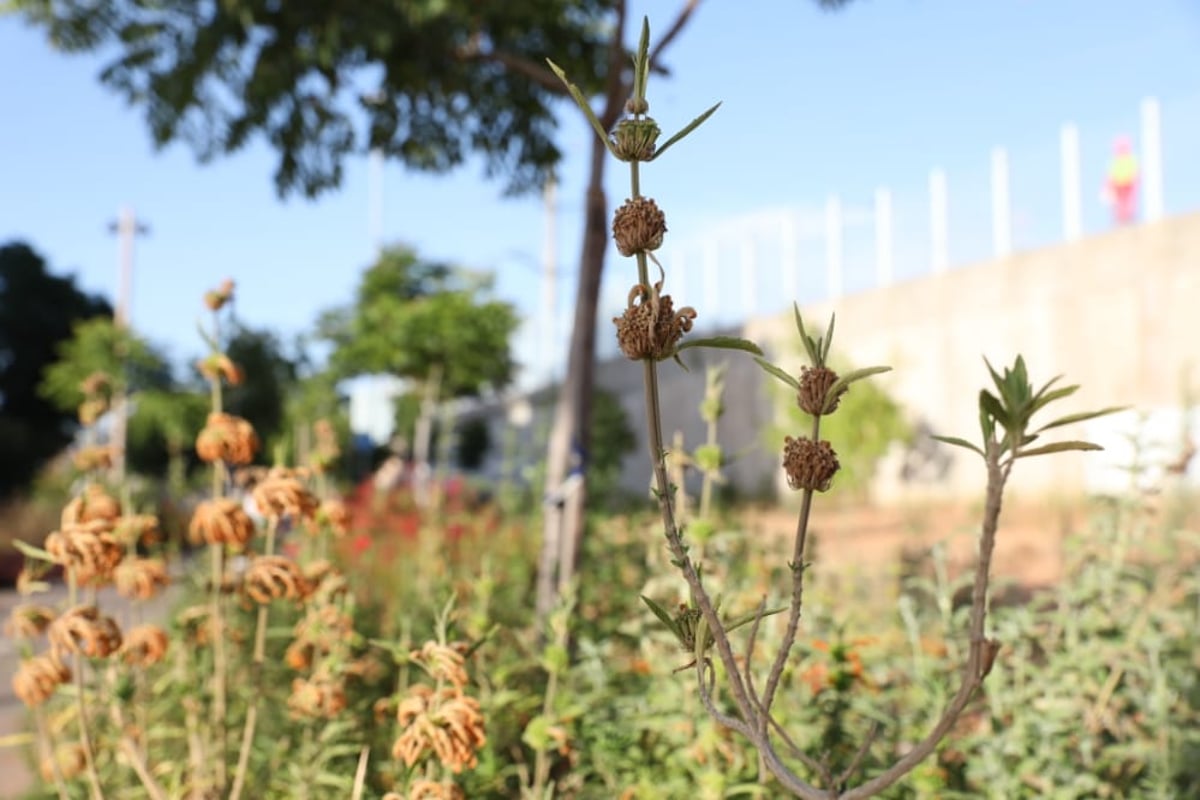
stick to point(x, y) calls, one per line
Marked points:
point(423, 436)
point(569, 436)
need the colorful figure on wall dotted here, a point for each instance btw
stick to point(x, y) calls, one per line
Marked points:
point(1122, 183)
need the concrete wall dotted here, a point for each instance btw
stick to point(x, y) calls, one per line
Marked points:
point(1117, 313)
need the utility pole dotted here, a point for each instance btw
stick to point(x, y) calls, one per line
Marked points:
point(126, 228)
point(375, 200)
point(549, 326)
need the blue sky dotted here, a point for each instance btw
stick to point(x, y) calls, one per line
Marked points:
point(813, 104)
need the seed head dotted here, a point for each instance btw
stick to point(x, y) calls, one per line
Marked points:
point(84, 630)
point(219, 366)
point(27, 621)
point(650, 328)
point(37, 678)
point(93, 505)
point(140, 578)
point(639, 226)
point(815, 383)
point(144, 646)
point(220, 522)
point(227, 438)
point(809, 464)
point(319, 697)
point(274, 578)
point(86, 550)
point(281, 493)
point(635, 139)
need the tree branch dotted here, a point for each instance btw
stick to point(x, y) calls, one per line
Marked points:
point(543, 77)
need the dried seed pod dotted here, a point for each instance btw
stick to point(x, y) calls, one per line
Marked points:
point(650, 328)
point(333, 515)
point(280, 494)
point(220, 522)
point(37, 678)
point(320, 697)
point(144, 646)
point(227, 438)
point(93, 505)
point(638, 226)
point(635, 139)
point(87, 551)
point(87, 459)
point(815, 383)
point(215, 299)
point(442, 662)
point(84, 630)
point(274, 578)
point(219, 366)
point(444, 722)
point(27, 621)
point(809, 464)
point(141, 578)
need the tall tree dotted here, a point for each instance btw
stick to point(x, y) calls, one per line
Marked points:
point(428, 322)
point(37, 310)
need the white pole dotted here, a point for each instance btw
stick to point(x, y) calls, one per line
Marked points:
point(711, 289)
point(938, 225)
point(549, 316)
point(1152, 168)
point(833, 246)
point(749, 275)
point(375, 200)
point(1001, 205)
point(788, 258)
point(1072, 189)
point(883, 237)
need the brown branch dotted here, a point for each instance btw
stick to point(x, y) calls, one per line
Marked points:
point(529, 69)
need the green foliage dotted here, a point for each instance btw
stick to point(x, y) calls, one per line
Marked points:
point(412, 318)
point(162, 426)
point(98, 345)
point(612, 439)
point(428, 82)
point(37, 311)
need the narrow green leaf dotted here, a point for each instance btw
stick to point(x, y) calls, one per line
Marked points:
point(583, 104)
point(1058, 447)
point(778, 373)
point(662, 614)
point(737, 622)
point(691, 126)
point(1041, 401)
point(1047, 386)
point(30, 551)
point(814, 357)
point(679, 361)
point(991, 405)
point(1083, 416)
point(723, 343)
point(849, 378)
point(958, 442)
point(828, 337)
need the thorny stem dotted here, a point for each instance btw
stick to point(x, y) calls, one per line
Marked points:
point(260, 640)
point(797, 565)
point(46, 745)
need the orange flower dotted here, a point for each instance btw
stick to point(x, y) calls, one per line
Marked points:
point(220, 522)
point(227, 438)
point(37, 678)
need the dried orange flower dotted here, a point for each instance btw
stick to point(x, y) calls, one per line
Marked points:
point(334, 515)
point(141, 578)
point(93, 505)
point(68, 761)
point(227, 438)
point(37, 678)
point(219, 366)
point(650, 328)
point(442, 662)
point(280, 493)
point(274, 578)
point(444, 722)
point(220, 522)
point(84, 630)
point(87, 459)
point(88, 551)
point(809, 464)
point(318, 697)
point(27, 621)
point(144, 645)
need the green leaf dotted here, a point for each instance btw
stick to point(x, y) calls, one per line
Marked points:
point(30, 551)
point(850, 377)
point(992, 407)
point(1058, 447)
point(957, 442)
point(1041, 401)
point(537, 732)
point(1082, 417)
point(583, 104)
point(691, 126)
point(737, 622)
point(828, 339)
point(662, 614)
point(778, 373)
point(813, 356)
point(555, 659)
point(723, 343)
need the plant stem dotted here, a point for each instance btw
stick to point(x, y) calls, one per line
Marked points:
point(85, 737)
point(46, 745)
point(260, 639)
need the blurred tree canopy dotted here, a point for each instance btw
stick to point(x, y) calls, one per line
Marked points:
point(426, 81)
point(37, 311)
point(269, 377)
point(99, 345)
point(412, 319)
